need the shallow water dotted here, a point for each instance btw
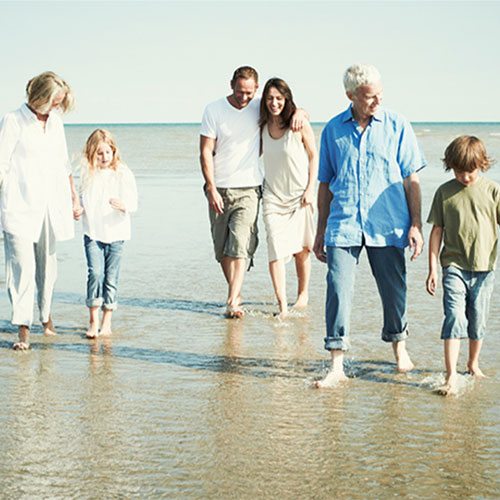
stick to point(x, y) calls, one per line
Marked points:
point(181, 403)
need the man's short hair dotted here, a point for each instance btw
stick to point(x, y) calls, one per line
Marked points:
point(360, 74)
point(245, 72)
point(466, 154)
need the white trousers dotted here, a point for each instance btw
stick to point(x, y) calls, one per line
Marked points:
point(27, 264)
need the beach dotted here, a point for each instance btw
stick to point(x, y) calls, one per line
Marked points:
point(182, 403)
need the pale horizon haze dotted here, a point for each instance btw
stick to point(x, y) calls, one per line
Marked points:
point(162, 62)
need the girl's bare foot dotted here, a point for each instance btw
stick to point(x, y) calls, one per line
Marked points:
point(331, 380)
point(48, 328)
point(23, 344)
point(93, 331)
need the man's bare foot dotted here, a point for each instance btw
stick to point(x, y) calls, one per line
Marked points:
point(301, 302)
point(331, 380)
point(48, 328)
point(402, 357)
point(93, 331)
point(450, 388)
point(23, 344)
point(475, 371)
point(234, 312)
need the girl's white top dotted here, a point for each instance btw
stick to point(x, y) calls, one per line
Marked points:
point(35, 169)
point(101, 221)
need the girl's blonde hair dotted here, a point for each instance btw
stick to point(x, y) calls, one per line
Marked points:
point(42, 89)
point(90, 153)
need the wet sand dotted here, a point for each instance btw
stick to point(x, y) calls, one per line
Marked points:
point(182, 403)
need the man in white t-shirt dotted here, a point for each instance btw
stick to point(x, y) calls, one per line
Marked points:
point(229, 154)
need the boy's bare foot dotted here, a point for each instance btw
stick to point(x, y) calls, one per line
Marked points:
point(23, 344)
point(301, 302)
point(402, 357)
point(450, 388)
point(234, 312)
point(105, 331)
point(331, 380)
point(48, 328)
point(475, 371)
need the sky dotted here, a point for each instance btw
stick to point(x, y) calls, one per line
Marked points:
point(163, 61)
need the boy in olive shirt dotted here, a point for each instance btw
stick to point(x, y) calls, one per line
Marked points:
point(466, 212)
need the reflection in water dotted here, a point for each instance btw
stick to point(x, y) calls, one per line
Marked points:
point(181, 403)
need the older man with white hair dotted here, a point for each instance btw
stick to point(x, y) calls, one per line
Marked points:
point(369, 196)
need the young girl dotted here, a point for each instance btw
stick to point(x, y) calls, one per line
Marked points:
point(109, 195)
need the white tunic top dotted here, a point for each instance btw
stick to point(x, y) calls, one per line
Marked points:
point(35, 167)
point(102, 222)
point(237, 146)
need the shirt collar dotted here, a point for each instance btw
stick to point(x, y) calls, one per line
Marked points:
point(27, 113)
point(348, 115)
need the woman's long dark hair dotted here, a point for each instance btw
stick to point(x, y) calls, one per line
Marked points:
point(289, 109)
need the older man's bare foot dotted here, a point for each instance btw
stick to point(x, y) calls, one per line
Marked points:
point(450, 387)
point(301, 302)
point(475, 371)
point(332, 379)
point(403, 360)
point(48, 328)
point(23, 344)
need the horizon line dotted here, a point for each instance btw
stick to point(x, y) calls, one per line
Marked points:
point(435, 122)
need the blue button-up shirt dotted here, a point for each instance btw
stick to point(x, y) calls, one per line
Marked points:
point(365, 172)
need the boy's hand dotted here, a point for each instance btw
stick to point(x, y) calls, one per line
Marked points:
point(431, 283)
point(77, 210)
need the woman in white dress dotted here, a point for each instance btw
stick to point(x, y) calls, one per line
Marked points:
point(291, 166)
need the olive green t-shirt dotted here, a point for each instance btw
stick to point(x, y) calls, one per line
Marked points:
point(469, 216)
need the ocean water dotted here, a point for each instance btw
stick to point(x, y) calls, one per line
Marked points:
point(181, 403)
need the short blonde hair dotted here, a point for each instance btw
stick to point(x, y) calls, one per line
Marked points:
point(360, 74)
point(90, 153)
point(42, 89)
point(466, 154)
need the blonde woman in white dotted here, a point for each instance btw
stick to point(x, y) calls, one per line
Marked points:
point(108, 195)
point(291, 166)
point(37, 199)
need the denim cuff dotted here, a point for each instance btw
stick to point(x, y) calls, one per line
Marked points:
point(337, 344)
point(109, 307)
point(96, 302)
point(395, 337)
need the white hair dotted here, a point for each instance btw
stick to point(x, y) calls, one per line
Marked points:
point(360, 74)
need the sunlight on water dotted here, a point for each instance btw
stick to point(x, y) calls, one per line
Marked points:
point(182, 403)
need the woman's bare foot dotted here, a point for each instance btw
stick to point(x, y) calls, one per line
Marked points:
point(234, 312)
point(402, 357)
point(48, 328)
point(23, 344)
point(331, 380)
point(450, 388)
point(301, 302)
point(475, 371)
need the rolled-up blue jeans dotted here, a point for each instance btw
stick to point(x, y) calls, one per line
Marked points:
point(466, 301)
point(389, 270)
point(103, 263)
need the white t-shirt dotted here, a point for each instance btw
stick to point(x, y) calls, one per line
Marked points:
point(102, 222)
point(35, 167)
point(236, 131)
